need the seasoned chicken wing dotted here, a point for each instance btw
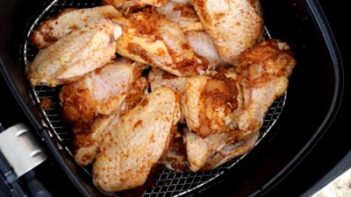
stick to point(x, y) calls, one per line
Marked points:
point(262, 77)
point(149, 38)
point(74, 55)
point(208, 105)
point(70, 20)
point(230, 151)
point(194, 153)
point(234, 25)
point(210, 152)
point(136, 143)
point(116, 87)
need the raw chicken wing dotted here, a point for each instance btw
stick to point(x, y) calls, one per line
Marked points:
point(118, 86)
point(208, 105)
point(137, 142)
point(70, 20)
point(149, 38)
point(234, 25)
point(262, 77)
point(74, 55)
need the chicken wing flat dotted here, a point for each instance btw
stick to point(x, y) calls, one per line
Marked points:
point(136, 143)
point(70, 20)
point(149, 38)
point(116, 87)
point(234, 25)
point(74, 55)
point(208, 105)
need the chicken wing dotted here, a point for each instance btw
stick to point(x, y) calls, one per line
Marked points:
point(230, 151)
point(210, 152)
point(234, 25)
point(149, 38)
point(118, 86)
point(208, 105)
point(70, 20)
point(137, 142)
point(262, 77)
point(74, 55)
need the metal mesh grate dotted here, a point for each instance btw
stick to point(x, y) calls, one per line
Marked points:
point(168, 183)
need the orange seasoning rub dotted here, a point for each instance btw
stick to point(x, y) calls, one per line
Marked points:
point(145, 23)
point(46, 103)
point(192, 66)
point(261, 64)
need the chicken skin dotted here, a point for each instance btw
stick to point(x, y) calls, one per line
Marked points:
point(136, 142)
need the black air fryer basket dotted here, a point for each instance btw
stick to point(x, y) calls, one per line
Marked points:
point(292, 126)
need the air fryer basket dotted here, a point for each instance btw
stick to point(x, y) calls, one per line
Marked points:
point(312, 100)
point(168, 183)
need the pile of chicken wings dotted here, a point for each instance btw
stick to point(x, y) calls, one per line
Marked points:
point(180, 83)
